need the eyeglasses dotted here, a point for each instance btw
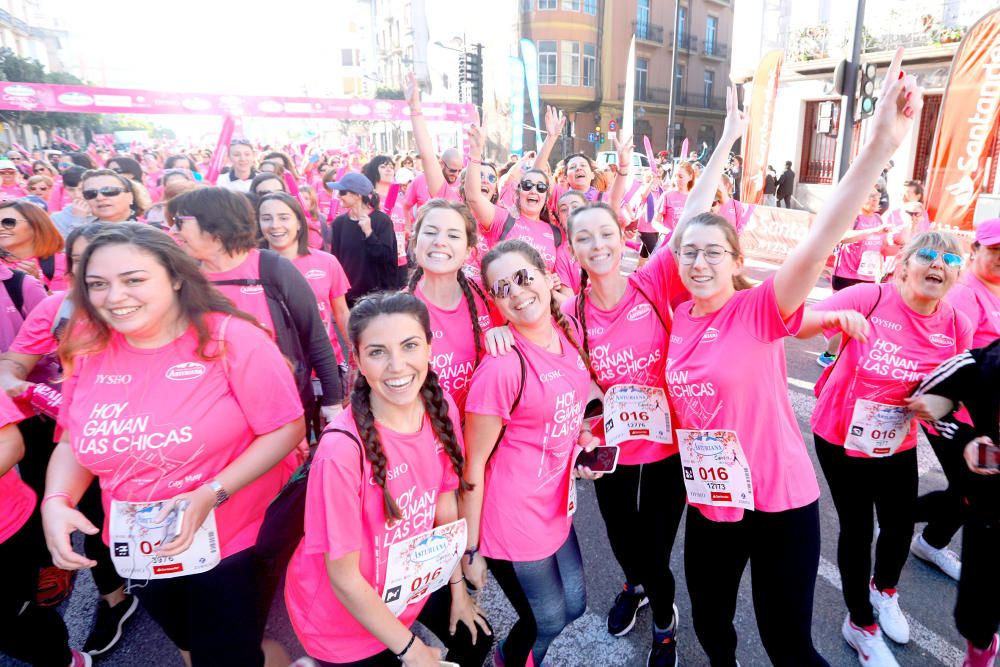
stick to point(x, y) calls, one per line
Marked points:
point(714, 254)
point(179, 220)
point(926, 256)
point(501, 288)
point(450, 170)
point(490, 178)
point(526, 186)
point(104, 192)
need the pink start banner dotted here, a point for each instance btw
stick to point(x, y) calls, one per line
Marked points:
point(16, 96)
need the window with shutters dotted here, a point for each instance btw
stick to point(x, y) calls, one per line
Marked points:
point(925, 136)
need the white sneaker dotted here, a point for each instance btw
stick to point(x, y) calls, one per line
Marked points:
point(890, 616)
point(944, 559)
point(871, 648)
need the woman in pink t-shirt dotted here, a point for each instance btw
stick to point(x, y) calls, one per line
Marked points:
point(283, 226)
point(671, 204)
point(443, 236)
point(626, 323)
point(488, 187)
point(33, 243)
point(751, 488)
point(523, 427)
point(385, 473)
point(865, 435)
point(185, 405)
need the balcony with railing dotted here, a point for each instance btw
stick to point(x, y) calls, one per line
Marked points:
point(715, 49)
point(700, 101)
point(648, 32)
point(647, 94)
point(686, 41)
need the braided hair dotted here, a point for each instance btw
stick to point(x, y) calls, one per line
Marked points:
point(471, 239)
point(435, 404)
point(529, 253)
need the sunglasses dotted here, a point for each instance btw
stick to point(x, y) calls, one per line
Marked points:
point(714, 254)
point(527, 186)
point(104, 192)
point(490, 178)
point(8, 223)
point(179, 220)
point(926, 256)
point(8, 171)
point(501, 288)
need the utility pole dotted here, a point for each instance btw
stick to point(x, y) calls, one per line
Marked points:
point(846, 134)
point(673, 79)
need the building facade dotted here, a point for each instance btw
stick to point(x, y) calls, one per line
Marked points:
point(583, 55)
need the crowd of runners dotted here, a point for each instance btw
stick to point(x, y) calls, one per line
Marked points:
point(367, 382)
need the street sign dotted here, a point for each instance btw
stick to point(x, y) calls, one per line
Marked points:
point(612, 125)
point(592, 137)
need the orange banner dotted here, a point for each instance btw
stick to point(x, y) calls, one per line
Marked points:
point(757, 141)
point(967, 126)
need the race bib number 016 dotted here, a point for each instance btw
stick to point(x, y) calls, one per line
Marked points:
point(636, 412)
point(135, 537)
point(420, 565)
point(716, 471)
point(877, 429)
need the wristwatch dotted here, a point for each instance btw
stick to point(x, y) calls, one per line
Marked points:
point(221, 495)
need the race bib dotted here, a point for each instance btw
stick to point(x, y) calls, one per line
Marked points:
point(633, 411)
point(400, 244)
point(716, 471)
point(571, 495)
point(877, 429)
point(135, 536)
point(870, 264)
point(420, 565)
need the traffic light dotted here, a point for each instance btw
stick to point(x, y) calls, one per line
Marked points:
point(866, 105)
point(472, 69)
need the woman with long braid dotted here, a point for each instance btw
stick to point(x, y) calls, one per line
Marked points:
point(523, 425)
point(386, 472)
point(443, 237)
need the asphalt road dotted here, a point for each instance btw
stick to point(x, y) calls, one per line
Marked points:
point(927, 596)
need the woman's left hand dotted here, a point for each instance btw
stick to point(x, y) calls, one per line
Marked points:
point(201, 500)
point(29, 267)
point(499, 341)
point(588, 441)
point(465, 609)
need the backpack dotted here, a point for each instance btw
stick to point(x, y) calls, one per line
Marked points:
point(48, 265)
point(285, 333)
point(508, 225)
point(15, 290)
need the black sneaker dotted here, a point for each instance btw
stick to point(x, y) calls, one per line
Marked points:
point(663, 652)
point(621, 618)
point(108, 623)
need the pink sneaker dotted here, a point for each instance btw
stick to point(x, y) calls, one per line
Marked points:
point(979, 657)
point(81, 659)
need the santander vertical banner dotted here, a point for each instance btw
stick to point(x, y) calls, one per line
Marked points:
point(516, 105)
point(757, 141)
point(967, 126)
point(530, 56)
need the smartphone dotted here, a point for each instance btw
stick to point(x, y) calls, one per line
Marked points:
point(600, 459)
point(989, 456)
point(175, 522)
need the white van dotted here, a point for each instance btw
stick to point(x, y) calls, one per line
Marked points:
point(639, 161)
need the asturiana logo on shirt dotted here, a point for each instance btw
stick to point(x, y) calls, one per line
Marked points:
point(710, 335)
point(638, 312)
point(942, 340)
point(189, 370)
point(315, 274)
point(252, 289)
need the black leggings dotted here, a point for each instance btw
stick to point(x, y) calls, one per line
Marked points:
point(945, 510)
point(435, 616)
point(888, 484)
point(977, 612)
point(642, 506)
point(783, 550)
point(34, 634)
point(649, 240)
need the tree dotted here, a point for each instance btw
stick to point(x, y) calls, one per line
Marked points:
point(16, 68)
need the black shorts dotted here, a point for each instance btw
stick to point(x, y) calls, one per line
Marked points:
point(838, 283)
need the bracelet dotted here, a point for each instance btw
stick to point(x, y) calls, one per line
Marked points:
point(475, 161)
point(413, 638)
point(471, 553)
point(58, 494)
point(457, 581)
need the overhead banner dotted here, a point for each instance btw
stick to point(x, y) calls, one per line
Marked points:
point(757, 141)
point(88, 99)
point(516, 105)
point(530, 56)
point(967, 126)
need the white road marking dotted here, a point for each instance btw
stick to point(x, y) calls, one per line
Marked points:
point(801, 384)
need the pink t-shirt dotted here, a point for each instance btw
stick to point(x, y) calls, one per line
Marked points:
point(344, 514)
point(153, 423)
point(35, 337)
point(528, 477)
point(248, 298)
point(14, 191)
point(32, 294)
point(902, 221)
point(567, 268)
point(727, 370)
point(17, 500)
point(58, 280)
point(328, 281)
point(903, 346)
point(670, 208)
point(453, 355)
point(861, 260)
point(737, 214)
point(536, 233)
point(418, 194)
point(973, 298)
point(628, 342)
point(398, 217)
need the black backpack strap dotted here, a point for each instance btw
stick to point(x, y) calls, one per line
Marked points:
point(557, 236)
point(48, 265)
point(242, 282)
point(517, 400)
point(15, 289)
point(653, 304)
point(361, 449)
point(508, 225)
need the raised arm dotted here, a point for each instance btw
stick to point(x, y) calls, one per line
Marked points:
point(623, 146)
point(421, 135)
point(899, 104)
point(554, 123)
point(482, 208)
